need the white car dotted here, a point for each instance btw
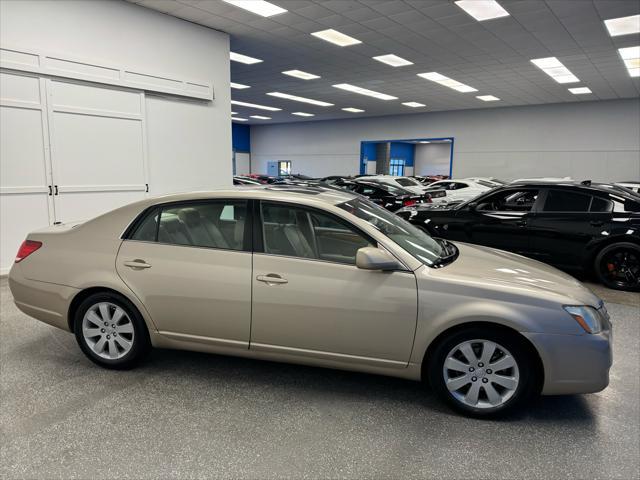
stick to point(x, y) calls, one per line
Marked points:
point(458, 190)
point(488, 181)
point(402, 182)
point(633, 186)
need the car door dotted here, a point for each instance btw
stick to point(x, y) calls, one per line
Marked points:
point(501, 219)
point(190, 265)
point(310, 299)
point(565, 223)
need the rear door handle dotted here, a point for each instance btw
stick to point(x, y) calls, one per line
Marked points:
point(596, 223)
point(137, 263)
point(272, 279)
point(521, 223)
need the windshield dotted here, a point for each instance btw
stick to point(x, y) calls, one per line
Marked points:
point(407, 182)
point(414, 240)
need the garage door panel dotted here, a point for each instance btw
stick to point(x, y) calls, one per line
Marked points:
point(96, 150)
point(20, 88)
point(90, 97)
point(77, 206)
point(21, 148)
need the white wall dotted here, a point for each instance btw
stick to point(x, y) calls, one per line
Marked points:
point(189, 142)
point(432, 159)
point(597, 140)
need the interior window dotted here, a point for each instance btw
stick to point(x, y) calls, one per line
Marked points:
point(565, 201)
point(211, 224)
point(509, 201)
point(297, 232)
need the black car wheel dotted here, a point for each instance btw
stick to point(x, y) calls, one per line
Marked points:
point(111, 331)
point(618, 266)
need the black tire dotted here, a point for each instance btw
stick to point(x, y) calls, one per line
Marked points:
point(139, 338)
point(617, 265)
point(526, 365)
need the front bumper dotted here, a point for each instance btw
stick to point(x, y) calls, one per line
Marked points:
point(574, 363)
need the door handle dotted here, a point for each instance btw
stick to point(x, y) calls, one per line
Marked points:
point(272, 279)
point(596, 223)
point(137, 263)
point(521, 223)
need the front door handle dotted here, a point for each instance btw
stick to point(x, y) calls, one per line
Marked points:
point(521, 223)
point(137, 263)
point(272, 279)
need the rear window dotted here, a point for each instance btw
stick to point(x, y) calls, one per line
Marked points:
point(564, 201)
point(407, 182)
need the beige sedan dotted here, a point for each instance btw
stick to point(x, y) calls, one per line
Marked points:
point(317, 277)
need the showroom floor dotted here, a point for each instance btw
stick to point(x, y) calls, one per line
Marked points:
point(188, 415)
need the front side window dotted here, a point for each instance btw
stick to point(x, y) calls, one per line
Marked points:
point(215, 224)
point(412, 239)
point(306, 233)
point(509, 201)
point(566, 201)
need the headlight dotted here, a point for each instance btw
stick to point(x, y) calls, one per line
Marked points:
point(587, 317)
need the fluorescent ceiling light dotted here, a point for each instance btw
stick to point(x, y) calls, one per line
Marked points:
point(238, 57)
point(482, 9)
point(555, 69)
point(623, 25)
point(303, 114)
point(447, 82)
point(424, 141)
point(260, 117)
point(259, 7)
point(580, 90)
point(393, 60)
point(255, 105)
point(239, 86)
point(414, 104)
point(301, 74)
point(487, 98)
point(364, 91)
point(238, 119)
point(336, 37)
point(234, 113)
point(300, 99)
point(631, 57)
point(353, 110)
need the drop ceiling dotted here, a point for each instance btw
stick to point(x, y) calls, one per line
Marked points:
point(491, 56)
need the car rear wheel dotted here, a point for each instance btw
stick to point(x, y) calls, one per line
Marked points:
point(618, 266)
point(482, 372)
point(110, 331)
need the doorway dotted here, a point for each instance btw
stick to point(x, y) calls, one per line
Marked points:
point(407, 157)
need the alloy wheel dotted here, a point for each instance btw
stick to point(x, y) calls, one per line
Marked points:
point(108, 330)
point(621, 267)
point(481, 374)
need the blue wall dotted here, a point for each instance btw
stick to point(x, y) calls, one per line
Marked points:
point(405, 151)
point(241, 137)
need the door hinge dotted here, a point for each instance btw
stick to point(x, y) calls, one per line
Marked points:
point(50, 190)
point(56, 189)
point(147, 185)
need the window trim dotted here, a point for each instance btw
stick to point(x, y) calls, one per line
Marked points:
point(258, 242)
point(160, 207)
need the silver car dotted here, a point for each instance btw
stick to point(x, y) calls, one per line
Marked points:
point(318, 277)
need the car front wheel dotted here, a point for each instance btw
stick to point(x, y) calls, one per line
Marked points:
point(482, 372)
point(110, 331)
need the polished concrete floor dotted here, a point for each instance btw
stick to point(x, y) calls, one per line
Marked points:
point(187, 415)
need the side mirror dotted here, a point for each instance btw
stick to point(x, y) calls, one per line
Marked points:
point(372, 258)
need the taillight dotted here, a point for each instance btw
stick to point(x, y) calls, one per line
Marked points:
point(408, 203)
point(26, 249)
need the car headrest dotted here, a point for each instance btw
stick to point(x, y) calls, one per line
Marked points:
point(190, 217)
point(171, 224)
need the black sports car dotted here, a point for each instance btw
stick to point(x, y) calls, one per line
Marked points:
point(388, 196)
point(575, 226)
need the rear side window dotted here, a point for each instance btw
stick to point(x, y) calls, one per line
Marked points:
point(565, 201)
point(212, 224)
point(601, 205)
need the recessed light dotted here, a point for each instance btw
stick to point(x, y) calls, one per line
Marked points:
point(555, 69)
point(336, 37)
point(447, 82)
point(414, 104)
point(482, 9)
point(259, 7)
point(580, 90)
point(238, 119)
point(255, 105)
point(623, 25)
point(487, 98)
point(631, 57)
point(303, 114)
point(393, 60)
point(363, 91)
point(260, 117)
point(353, 110)
point(295, 98)
point(301, 74)
point(239, 86)
point(238, 57)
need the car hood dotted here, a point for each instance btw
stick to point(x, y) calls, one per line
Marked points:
point(497, 270)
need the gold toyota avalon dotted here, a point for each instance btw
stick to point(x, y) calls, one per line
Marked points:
point(318, 277)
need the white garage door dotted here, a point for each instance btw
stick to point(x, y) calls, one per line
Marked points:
point(68, 151)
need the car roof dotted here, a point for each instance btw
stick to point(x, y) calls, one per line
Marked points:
point(574, 184)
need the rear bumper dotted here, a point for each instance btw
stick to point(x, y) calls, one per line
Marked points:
point(47, 302)
point(574, 363)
